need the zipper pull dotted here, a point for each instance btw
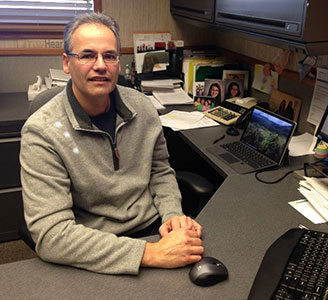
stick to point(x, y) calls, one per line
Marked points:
point(116, 158)
point(117, 153)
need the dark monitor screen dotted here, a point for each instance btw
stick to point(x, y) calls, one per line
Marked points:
point(322, 131)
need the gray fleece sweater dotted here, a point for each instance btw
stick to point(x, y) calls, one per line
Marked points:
point(81, 197)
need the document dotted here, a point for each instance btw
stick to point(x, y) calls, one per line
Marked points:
point(320, 97)
point(180, 120)
point(315, 190)
point(157, 105)
point(172, 96)
point(151, 85)
point(304, 207)
point(302, 144)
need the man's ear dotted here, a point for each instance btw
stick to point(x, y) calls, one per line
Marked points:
point(66, 63)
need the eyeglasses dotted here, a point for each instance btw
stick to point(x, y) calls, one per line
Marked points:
point(88, 58)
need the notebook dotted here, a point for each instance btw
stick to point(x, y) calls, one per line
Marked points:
point(262, 144)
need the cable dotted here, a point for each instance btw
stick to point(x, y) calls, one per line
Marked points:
point(272, 182)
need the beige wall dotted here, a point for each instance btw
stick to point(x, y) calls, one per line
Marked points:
point(151, 15)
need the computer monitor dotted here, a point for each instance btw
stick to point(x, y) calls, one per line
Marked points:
point(322, 131)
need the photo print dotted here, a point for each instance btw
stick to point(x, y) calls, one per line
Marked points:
point(214, 88)
point(234, 88)
point(242, 75)
point(285, 105)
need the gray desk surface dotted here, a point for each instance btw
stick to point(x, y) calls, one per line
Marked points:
point(14, 106)
point(240, 222)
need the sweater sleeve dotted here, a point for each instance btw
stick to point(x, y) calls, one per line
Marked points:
point(163, 183)
point(50, 219)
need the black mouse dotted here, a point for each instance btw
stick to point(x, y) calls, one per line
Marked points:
point(232, 131)
point(208, 271)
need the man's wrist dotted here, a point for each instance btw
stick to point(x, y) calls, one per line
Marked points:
point(148, 259)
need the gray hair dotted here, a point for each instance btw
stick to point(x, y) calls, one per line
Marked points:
point(90, 18)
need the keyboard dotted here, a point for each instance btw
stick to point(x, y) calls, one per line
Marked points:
point(294, 267)
point(247, 154)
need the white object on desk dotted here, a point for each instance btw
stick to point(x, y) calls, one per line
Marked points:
point(304, 207)
point(154, 101)
point(36, 88)
point(302, 144)
point(173, 97)
point(180, 120)
point(37, 85)
point(316, 192)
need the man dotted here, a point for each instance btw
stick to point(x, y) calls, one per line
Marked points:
point(95, 172)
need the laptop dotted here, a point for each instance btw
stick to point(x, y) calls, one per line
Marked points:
point(262, 144)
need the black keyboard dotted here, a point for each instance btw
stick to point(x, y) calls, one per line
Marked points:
point(294, 267)
point(247, 154)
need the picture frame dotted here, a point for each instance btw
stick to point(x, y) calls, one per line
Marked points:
point(219, 85)
point(285, 105)
point(237, 74)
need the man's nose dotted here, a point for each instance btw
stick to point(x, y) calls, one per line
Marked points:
point(100, 63)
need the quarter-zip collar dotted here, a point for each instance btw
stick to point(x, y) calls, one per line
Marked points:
point(81, 120)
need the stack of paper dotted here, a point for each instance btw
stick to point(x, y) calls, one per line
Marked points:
point(181, 120)
point(56, 77)
point(172, 96)
point(315, 190)
point(151, 85)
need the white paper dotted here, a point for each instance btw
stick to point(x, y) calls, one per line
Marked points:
point(304, 207)
point(172, 97)
point(302, 144)
point(317, 201)
point(161, 83)
point(180, 120)
point(154, 101)
point(320, 97)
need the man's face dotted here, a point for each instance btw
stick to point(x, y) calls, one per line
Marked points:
point(91, 82)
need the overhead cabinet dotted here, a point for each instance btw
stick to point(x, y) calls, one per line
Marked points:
point(298, 25)
point(197, 10)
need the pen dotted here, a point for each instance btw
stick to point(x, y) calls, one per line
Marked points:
point(301, 226)
point(219, 139)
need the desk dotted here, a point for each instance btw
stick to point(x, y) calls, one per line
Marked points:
point(240, 222)
point(14, 109)
point(14, 106)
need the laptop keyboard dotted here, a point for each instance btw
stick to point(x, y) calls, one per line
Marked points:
point(305, 275)
point(247, 154)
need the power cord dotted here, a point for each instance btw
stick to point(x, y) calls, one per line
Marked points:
point(271, 169)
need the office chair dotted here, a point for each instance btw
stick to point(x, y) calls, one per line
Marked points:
point(195, 189)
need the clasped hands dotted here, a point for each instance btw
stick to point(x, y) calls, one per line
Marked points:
point(179, 246)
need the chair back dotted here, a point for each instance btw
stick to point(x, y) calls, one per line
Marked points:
point(44, 97)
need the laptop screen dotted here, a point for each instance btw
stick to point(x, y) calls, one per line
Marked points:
point(268, 133)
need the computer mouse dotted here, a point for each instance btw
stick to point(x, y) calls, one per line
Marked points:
point(208, 271)
point(232, 131)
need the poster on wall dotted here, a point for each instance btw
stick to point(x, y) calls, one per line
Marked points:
point(265, 79)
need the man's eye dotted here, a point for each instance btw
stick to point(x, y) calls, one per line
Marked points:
point(87, 56)
point(109, 57)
